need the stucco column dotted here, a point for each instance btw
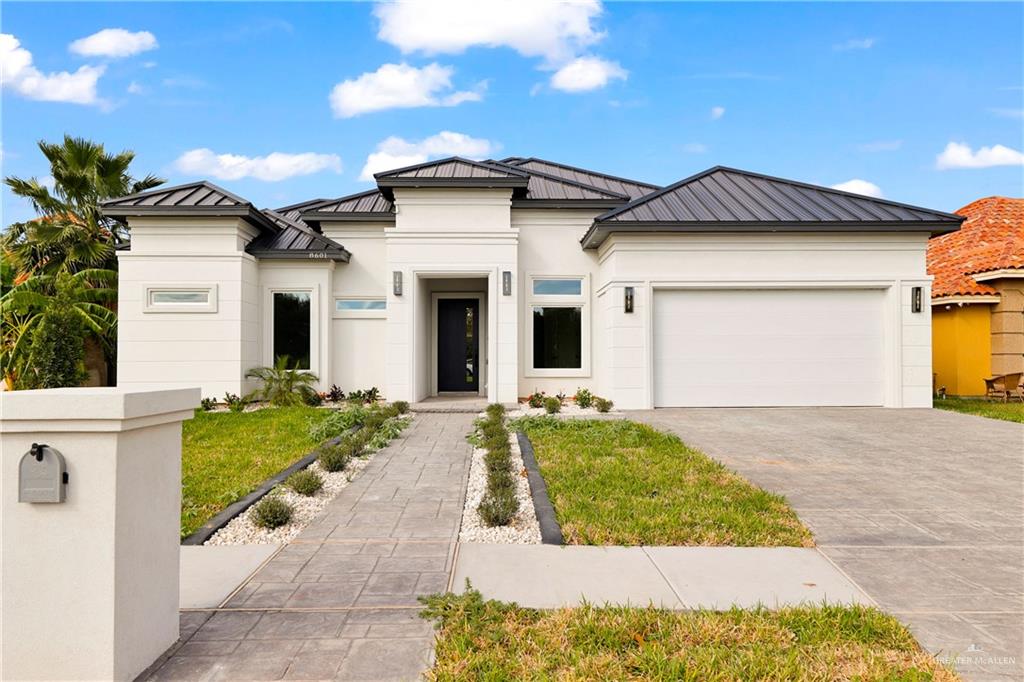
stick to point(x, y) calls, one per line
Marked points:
point(90, 585)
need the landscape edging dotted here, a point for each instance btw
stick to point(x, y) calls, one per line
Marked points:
point(550, 531)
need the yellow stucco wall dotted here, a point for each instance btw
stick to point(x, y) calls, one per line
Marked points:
point(961, 345)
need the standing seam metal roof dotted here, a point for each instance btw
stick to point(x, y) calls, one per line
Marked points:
point(295, 240)
point(602, 181)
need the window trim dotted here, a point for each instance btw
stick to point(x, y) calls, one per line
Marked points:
point(581, 300)
point(150, 288)
point(314, 326)
point(359, 313)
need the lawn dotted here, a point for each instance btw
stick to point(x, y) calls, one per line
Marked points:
point(496, 641)
point(618, 482)
point(225, 455)
point(1011, 411)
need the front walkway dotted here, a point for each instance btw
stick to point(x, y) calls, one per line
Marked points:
point(340, 601)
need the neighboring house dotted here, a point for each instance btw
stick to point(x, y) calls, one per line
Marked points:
point(502, 278)
point(978, 296)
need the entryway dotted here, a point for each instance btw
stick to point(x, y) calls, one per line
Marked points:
point(458, 345)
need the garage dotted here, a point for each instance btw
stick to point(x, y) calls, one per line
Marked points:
point(768, 347)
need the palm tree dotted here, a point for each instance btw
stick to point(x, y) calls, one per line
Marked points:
point(283, 386)
point(71, 233)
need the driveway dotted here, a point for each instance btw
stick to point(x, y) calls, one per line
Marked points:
point(921, 508)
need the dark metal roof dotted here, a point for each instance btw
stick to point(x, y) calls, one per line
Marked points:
point(294, 211)
point(365, 206)
point(295, 241)
point(545, 190)
point(196, 198)
point(451, 172)
point(727, 199)
point(601, 181)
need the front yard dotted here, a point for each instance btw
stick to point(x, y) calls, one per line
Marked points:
point(493, 640)
point(225, 455)
point(618, 482)
point(1009, 411)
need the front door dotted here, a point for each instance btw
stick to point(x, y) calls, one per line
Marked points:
point(458, 349)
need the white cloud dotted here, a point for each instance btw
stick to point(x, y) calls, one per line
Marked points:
point(114, 42)
point(858, 186)
point(855, 44)
point(135, 89)
point(695, 148)
point(960, 155)
point(272, 167)
point(554, 29)
point(717, 113)
point(1008, 113)
point(18, 73)
point(399, 86)
point(587, 73)
point(395, 152)
point(880, 146)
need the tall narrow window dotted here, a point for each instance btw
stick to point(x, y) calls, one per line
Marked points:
point(292, 328)
point(558, 333)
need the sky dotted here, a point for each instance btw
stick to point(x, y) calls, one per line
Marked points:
point(283, 102)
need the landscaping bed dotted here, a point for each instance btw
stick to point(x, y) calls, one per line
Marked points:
point(617, 482)
point(1008, 411)
point(480, 639)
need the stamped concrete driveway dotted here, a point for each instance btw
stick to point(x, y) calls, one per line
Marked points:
point(921, 508)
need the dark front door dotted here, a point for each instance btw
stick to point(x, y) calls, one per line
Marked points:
point(458, 352)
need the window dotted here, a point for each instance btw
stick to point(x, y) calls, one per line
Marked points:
point(558, 326)
point(360, 304)
point(180, 298)
point(292, 327)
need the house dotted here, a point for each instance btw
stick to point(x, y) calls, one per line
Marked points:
point(500, 278)
point(978, 296)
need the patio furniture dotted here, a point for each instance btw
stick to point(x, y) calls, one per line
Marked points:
point(1005, 386)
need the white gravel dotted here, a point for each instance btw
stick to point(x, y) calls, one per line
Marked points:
point(523, 530)
point(569, 409)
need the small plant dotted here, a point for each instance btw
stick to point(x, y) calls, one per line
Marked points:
point(335, 395)
point(234, 402)
point(372, 394)
point(334, 458)
point(272, 512)
point(356, 397)
point(552, 405)
point(498, 510)
point(561, 397)
point(495, 410)
point(499, 504)
point(336, 423)
point(603, 404)
point(208, 404)
point(583, 398)
point(305, 482)
point(313, 399)
point(536, 399)
point(282, 386)
point(402, 406)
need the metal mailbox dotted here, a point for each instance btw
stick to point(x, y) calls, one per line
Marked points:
point(42, 475)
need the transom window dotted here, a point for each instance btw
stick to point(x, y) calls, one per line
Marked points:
point(292, 325)
point(360, 304)
point(558, 326)
point(557, 287)
point(180, 298)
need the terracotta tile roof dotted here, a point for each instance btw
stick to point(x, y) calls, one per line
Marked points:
point(992, 238)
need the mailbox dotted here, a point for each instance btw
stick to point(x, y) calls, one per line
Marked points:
point(42, 475)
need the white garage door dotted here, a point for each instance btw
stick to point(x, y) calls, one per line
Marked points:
point(792, 347)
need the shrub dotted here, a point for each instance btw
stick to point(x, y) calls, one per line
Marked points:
point(56, 358)
point(305, 482)
point(583, 398)
point(499, 504)
point(561, 397)
point(552, 405)
point(234, 402)
point(603, 404)
point(498, 510)
point(208, 404)
point(372, 394)
point(336, 423)
point(495, 410)
point(536, 399)
point(334, 458)
point(402, 406)
point(313, 399)
point(335, 394)
point(356, 397)
point(272, 512)
point(282, 386)
point(389, 429)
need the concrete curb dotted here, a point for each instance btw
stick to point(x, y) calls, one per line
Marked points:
point(550, 531)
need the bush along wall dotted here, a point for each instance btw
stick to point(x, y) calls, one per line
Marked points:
point(499, 504)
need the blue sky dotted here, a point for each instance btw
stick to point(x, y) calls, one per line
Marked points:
point(286, 102)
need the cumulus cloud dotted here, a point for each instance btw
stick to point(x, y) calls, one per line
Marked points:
point(587, 73)
point(960, 155)
point(855, 44)
point(858, 186)
point(717, 113)
point(400, 86)
point(135, 89)
point(114, 42)
point(272, 167)
point(554, 29)
point(19, 74)
point(396, 152)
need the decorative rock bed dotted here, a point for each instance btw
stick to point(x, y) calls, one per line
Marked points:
point(569, 409)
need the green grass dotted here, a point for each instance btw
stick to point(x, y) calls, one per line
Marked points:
point(491, 640)
point(225, 455)
point(1010, 411)
point(622, 483)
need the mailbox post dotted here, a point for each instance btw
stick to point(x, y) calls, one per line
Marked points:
point(91, 499)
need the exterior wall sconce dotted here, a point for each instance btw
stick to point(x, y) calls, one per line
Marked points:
point(396, 282)
point(915, 300)
point(629, 299)
point(506, 283)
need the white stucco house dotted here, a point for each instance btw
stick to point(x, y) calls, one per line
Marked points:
point(728, 288)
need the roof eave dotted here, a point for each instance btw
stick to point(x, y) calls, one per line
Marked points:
point(346, 216)
point(302, 254)
point(998, 273)
point(566, 203)
point(965, 299)
point(247, 212)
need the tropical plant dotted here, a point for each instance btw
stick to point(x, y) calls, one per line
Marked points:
point(71, 233)
point(282, 386)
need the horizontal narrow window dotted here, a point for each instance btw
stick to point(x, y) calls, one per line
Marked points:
point(557, 287)
point(360, 304)
point(557, 337)
point(179, 296)
point(292, 323)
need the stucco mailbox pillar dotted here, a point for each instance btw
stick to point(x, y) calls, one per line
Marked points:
point(90, 584)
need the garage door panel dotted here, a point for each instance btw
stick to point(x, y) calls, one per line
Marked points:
point(768, 347)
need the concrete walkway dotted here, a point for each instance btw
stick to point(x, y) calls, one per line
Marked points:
point(340, 601)
point(549, 576)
